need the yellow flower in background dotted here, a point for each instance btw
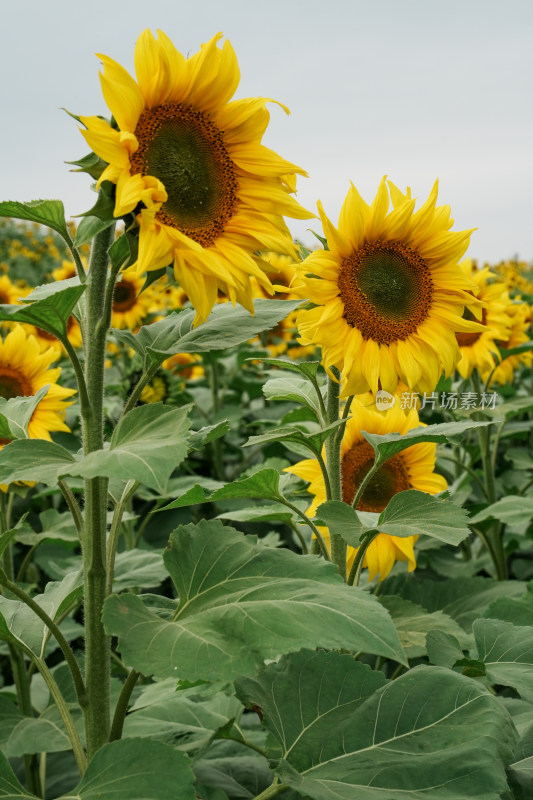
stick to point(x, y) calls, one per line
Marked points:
point(413, 468)
point(520, 322)
point(208, 195)
point(478, 348)
point(66, 270)
point(184, 365)
point(10, 293)
point(23, 371)
point(389, 294)
point(47, 341)
point(131, 306)
point(155, 391)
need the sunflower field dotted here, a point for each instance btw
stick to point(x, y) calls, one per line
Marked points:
point(265, 510)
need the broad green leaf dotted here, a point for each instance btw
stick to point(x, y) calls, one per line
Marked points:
point(138, 568)
point(342, 519)
point(188, 720)
point(264, 484)
point(340, 739)
point(10, 788)
point(312, 440)
point(47, 307)
point(308, 369)
point(54, 527)
point(290, 388)
point(507, 651)
point(33, 460)
point(512, 408)
point(136, 769)
point(413, 624)
point(124, 251)
point(417, 513)
point(234, 770)
point(208, 434)
point(443, 649)
point(463, 599)
point(20, 734)
point(241, 602)
point(46, 212)
point(516, 511)
point(16, 413)
point(146, 446)
point(518, 610)
point(272, 513)
point(389, 444)
point(225, 327)
point(19, 622)
point(408, 513)
point(88, 227)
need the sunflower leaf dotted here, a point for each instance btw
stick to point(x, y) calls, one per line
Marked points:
point(33, 460)
point(507, 652)
point(10, 788)
point(16, 412)
point(48, 306)
point(136, 768)
point(312, 440)
point(149, 442)
point(242, 602)
point(295, 390)
point(389, 444)
point(516, 511)
point(417, 513)
point(89, 227)
point(343, 731)
point(264, 484)
point(226, 326)
point(20, 735)
point(46, 212)
point(308, 369)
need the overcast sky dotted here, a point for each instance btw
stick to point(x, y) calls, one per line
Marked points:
point(416, 89)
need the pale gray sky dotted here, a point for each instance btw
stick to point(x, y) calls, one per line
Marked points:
point(416, 89)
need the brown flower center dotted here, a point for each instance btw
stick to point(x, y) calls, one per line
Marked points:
point(124, 296)
point(386, 289)
point(13, 383)
point(390, 479)
point(184, 149)
point(468, 339)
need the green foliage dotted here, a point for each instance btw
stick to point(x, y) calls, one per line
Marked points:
point(241, 602)
point(341, 728)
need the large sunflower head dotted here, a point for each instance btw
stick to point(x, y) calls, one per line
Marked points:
point(478, 348)
point(24, 369)
point(190, 163)
point(388, 293)
point(413, 468)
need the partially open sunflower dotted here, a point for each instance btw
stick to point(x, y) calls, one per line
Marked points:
point(413, 468)
point(190, 163)
point(389, 295)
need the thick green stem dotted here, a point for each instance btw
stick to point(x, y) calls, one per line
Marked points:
point(97, 645)
point(333, 464)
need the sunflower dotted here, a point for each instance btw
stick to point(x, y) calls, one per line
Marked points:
point(410, 469)
point(10, 293)
point(131, 305)
point(207, 194)
point(478, 349)
point(24, 369)
point(388, 292)
point(520, 325)
point(66, 270)
point(155, 391)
